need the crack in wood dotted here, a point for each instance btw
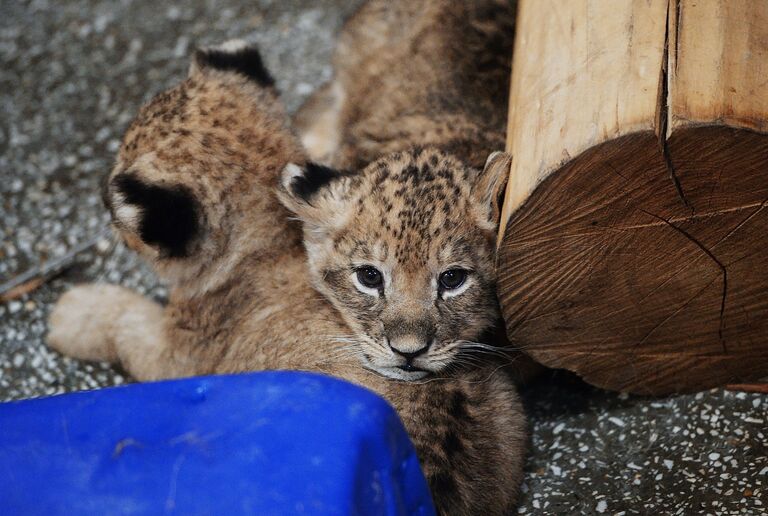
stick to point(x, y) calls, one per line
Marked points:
point(706, 252)
point(673, 175)
point(663, 103)
point(719, 264)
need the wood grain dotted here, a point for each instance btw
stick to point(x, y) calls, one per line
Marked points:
point(636, 232)
point(718, 64)
point(561, 104)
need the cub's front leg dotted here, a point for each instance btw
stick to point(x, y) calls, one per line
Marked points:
point(470, 434)
point(102, 322)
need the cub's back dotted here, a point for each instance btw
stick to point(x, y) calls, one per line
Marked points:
point(433, 73)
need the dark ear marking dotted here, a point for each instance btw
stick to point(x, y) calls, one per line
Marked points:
point(169, 216)
point(245, 60)
point(313, 179)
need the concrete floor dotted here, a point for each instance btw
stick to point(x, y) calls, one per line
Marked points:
point(72, 75)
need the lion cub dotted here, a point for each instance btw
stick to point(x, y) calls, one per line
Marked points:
point(208, 185)
point(410, 76)
point(430, 73)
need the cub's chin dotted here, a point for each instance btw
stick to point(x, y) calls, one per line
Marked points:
point(397, 373)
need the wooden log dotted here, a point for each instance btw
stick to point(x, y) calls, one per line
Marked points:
point(634, 240)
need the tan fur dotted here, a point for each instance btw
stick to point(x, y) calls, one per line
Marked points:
point(413, 75)
point(431, 73)
point(243, 297)
point(412, 216)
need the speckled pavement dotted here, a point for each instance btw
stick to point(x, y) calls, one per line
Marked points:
point(72, 75)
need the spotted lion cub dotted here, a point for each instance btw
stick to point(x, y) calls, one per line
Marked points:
point(208, 185)
point(418, 102)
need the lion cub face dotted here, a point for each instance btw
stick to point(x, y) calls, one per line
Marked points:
point(405, 251)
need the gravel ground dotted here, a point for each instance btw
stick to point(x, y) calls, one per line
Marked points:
point(72, 75)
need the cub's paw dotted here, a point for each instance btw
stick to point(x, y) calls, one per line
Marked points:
point(81, 324)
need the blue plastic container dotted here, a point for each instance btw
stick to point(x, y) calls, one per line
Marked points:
point(274, 443)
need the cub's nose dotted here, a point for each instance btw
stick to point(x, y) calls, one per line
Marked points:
point(409, 348)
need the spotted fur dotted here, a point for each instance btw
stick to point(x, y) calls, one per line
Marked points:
point(241, 295)
point(411, 215)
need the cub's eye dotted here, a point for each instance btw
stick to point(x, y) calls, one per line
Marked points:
point(453, 279)
point(370, 277)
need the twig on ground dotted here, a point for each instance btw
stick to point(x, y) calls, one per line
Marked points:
point(30, 280)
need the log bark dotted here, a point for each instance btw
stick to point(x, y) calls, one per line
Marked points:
point(634, 240)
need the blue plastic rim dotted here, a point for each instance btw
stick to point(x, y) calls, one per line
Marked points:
point(271, 443)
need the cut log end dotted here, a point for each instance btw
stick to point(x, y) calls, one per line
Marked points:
point(641, 266)
point(637, 229)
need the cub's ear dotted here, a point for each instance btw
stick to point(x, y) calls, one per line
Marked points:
point(318, 195)
point(490, 185)
point(166, 218)
point(234, 56)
